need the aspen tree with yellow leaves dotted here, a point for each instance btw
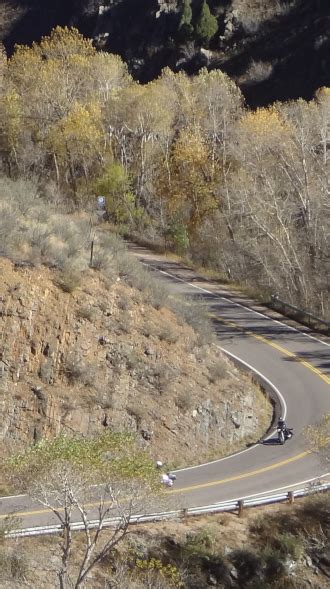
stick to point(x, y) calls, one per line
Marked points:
point(76, 140)
point(243, 191)
point(191, 197)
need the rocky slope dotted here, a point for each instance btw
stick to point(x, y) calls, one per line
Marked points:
point(275, 51)
point(102, 356)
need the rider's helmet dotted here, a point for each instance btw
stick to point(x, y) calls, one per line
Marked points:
point(159, 464)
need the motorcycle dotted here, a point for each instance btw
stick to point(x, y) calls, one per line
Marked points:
point(284, 434)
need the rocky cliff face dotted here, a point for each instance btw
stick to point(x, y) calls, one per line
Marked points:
point(102, 357)
point(275, 50)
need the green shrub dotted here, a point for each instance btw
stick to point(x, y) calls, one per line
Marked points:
point(200, 542)
point(287, 545)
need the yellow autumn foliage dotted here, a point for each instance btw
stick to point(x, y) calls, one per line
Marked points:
point(80, 132)
point(264, 123)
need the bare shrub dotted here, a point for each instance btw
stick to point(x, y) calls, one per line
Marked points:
point(217, 372)
point(165, 375)
point(69, 280)
point(126, 265)
point(37, 235)
point(193, 313)
point(124, 323)
point(148, 329)
point(157, 293)
point(184, 400)
point(133, 361)
point(124, 302)
point(76, 371)
point(252, 13)
point(137, 411)
point(13, 565)
point(104, 262)
point(55, 253)
point(7, 222)
point(258, 71)
point(168, 334)
point(86, 312)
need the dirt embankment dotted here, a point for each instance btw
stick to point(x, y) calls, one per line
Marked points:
point(102, 356)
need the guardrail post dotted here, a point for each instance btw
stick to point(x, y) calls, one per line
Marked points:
point(185, 513)
point(291, 497)
point(240, 508)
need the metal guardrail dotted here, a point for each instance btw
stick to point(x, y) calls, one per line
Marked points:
point(300, 315)
point(233, 505)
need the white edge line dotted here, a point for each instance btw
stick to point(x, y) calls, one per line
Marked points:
point(286, 487)
point(282, 400)
point(11, 497)
point(240, 360)
point(242, 306)
point(256, 495)
point(284, 409)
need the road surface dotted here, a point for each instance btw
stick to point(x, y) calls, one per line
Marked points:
point(293, 359)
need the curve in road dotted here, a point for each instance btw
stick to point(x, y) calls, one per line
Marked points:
point(291, 359)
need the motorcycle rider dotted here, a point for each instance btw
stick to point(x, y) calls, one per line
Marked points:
point(165, 479)
point(281, 425)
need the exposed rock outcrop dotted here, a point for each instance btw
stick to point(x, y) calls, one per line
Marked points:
point(104, 358)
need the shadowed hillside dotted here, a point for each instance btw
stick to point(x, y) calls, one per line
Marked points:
point(274, 52)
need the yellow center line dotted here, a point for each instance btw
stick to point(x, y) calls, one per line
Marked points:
point(184, 489)
point(236, 477)
point(284, 351)
point(244, 475)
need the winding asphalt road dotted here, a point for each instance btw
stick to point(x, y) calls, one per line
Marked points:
point(295, 361)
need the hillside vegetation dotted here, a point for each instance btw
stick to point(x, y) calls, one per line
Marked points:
point(277, 547)
point(87, 346)
point(180, 161)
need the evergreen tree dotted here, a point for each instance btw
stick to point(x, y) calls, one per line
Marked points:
point(186, 28)
point(206, 25)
